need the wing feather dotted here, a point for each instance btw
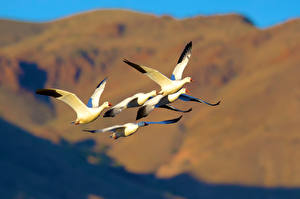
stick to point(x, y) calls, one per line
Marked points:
point(153, 74)
point(94, 100)
point(112, 129)
point(67, 97)
point(166, 121)
point(182, 62)
point(185, 97)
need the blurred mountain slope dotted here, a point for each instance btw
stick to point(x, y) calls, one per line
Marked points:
point(15, 31)
point(32, 167)
point(251, 138)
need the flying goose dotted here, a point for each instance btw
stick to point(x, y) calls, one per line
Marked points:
point(178, 70)
point(85, 113)
point(159, 101)
point(133, 101)
point(168, 86)
point(128, 129)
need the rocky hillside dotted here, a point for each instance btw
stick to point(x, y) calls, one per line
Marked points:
point(251, 138)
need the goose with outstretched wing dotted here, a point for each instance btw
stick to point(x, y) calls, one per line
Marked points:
point(168, 86)
point(134, 101)
point(161, 101)
point(85, 113)
point(128, 129)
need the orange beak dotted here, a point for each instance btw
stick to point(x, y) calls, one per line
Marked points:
point(192, 80)
point(109, 104)
point(114, 136)
point(187, 91)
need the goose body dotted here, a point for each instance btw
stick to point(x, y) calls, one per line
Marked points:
point(168, 86)
point(160, 101)
point(85, 113)
point(133, 101)
point(128, 129)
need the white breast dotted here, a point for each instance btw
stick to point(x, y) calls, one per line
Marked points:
point(130, 128)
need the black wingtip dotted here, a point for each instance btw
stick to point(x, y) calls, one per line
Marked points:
point(138, 117)
point(186, 49)
point(189, 110)
point(89, 131)
point(174, 120)
point(109, 113)
point(136, 66)
point(102, 82)
point(48, 92)
point(141, 113)
point(216, 104)
point(177, 119)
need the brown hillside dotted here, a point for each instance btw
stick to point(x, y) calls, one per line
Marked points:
point(251, 138)
point(15, 31)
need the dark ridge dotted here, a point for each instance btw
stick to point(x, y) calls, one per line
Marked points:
point(30, 165)
point(137, 67)
point(187, 49)
point(121, 29)
point(48, 92)
point(248, 20)
point(77, 74)
point(84, 54)
point(31, 77)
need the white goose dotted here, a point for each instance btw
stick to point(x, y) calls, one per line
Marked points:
point(160, 101)
point(85, 113)
point(168, 86)
point(133, 101)
point(128, 129)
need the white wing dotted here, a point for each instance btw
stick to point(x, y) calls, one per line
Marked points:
point(118, 108)
point(94, 100)
point(153, 101)
point(112, 129)
point(69, 98)
point(153, 74)
point(182, 62)
point(124, 102)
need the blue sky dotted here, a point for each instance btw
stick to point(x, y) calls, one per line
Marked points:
point(264, 13)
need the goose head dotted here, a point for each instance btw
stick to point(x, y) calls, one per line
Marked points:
point(187, 79)
point(114, 136)
point(106, 104)
point(184, 91)
point(76, 122)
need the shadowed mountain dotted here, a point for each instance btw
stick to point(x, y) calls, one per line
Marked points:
point(36, 168)
point(251, 138)
point(32, 167)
